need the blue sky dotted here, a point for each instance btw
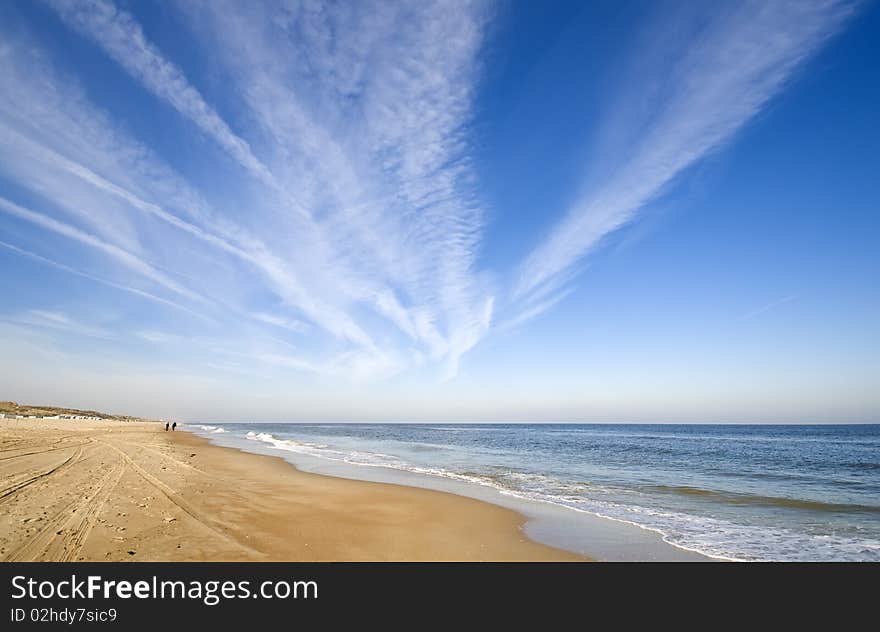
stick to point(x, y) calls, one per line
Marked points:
point(463, 211)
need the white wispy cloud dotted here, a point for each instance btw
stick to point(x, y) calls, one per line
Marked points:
point(534, 310)
point(123, 39)
point(86, 155)
point(713, 84)
point(113, 251)
point(97, 279)
point(378, 148)
point(360, 204)
point(51, 319)
point(292, 324)
point(232, 241)
point(768, 306)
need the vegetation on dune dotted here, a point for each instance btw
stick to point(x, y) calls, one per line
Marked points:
point(12, 408)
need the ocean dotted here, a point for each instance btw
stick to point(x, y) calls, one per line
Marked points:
point(780, 493)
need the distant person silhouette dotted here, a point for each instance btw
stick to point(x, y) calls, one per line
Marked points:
point(174, 426)
point(166, 426)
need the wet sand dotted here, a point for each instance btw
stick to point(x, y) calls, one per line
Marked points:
point(82, 490)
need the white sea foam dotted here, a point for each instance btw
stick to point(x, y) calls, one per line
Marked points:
point(213, 429)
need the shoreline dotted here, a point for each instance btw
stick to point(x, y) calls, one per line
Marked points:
point(115, 491)
point(590, 535)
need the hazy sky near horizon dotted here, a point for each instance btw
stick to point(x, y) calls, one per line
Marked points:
point(460, 211)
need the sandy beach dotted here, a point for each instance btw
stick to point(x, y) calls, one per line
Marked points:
point(111, 490)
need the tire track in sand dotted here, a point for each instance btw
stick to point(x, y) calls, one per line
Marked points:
point(164, 456)
point(30, 478)
point(76, 532)
point(176, 499)
point(67, 530)
point(30, 447)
